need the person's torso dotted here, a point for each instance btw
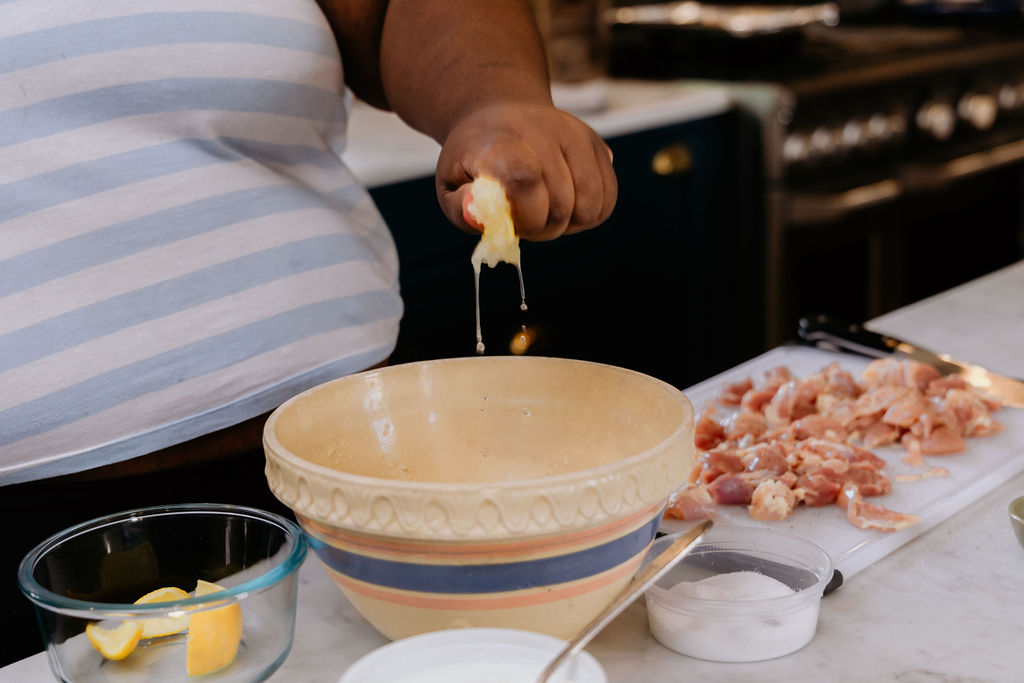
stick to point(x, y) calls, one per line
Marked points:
point(180, 245)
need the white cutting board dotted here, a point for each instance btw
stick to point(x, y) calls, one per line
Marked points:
point(987, 463)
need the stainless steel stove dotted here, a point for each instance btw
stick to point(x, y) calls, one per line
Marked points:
point(891, 152)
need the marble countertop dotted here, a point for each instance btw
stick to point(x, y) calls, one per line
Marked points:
point(381, 149)
point(945, 607)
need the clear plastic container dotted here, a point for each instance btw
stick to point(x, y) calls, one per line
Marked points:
point(93, 573)
point(696, 611)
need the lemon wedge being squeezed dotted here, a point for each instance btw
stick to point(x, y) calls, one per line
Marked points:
point(488, 208)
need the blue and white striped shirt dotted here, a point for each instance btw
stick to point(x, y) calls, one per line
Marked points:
point(180, 246)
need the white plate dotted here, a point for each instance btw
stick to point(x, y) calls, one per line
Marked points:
point(472, 655)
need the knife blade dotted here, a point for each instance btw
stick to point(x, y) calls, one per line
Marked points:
point(826, 331)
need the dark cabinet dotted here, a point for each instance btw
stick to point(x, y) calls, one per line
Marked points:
point(669, 285)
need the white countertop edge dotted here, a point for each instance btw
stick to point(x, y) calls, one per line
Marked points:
point(383, 150)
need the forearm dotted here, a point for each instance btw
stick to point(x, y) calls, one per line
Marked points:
point(443, 59)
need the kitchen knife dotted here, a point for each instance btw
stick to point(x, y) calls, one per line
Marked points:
point(828, 332)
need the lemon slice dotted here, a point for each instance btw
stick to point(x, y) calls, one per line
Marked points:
point(163, 626)
point(213, 635)
point(489, 207)
point(115, 643)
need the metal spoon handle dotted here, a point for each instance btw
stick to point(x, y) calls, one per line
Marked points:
point(640, 583)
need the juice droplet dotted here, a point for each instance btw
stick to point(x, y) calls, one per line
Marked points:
point(479, 348)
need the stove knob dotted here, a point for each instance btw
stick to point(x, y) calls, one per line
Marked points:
point(823, 142)
point(1009, 97)
point(854, 134)
point(937, 118)
point(978, 109)
point(796, 148)
point(878, 129)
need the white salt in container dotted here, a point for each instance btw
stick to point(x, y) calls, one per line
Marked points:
point(743, 594)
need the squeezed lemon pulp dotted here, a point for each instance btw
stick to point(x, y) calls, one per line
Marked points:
point(489, 206)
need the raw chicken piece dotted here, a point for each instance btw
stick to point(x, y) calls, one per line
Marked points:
point(771, 500)
point(839, 383)
point(866, 515)
point(906, 410)
point(708, 433)
point(735, 488)
point(793, 400)
point(732, 394)
point(819, 426)
point(755, 400)
point(765, 457)
point(899, 373)
point(691, 503)
point(932, 473)
point(745, 423)
point(713, 464)
point(880, 434)
point(816, 489)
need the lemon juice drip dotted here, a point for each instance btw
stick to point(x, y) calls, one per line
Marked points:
point(479, 331)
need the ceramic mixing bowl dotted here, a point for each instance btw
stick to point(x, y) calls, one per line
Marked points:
point(511, 492)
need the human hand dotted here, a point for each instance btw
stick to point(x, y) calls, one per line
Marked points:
point(556, 171)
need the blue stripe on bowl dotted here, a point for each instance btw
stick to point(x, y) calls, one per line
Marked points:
point(486, 578)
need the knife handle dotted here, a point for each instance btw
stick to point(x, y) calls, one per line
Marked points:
point(830, 332)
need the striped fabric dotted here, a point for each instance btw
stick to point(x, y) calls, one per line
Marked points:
point(180, 246)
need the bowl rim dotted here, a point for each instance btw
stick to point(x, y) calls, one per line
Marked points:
point(45, 598)
point(1016, 509)
point(759, 607)
point(272, 444)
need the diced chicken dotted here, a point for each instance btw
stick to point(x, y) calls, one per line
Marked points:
point(865, 515)
point(880, 434)
point(771, 500)
point(806, 441)
point(755, 400)
point(766, 457)
point(715, 463)
point(745, 423)
point(732, 394)
point(816, 489)
point(735, 488)
point(691, 503)
point(708, 433)
point(906, 410)
point(820, 426)
point(794, 399)
point(931, 473)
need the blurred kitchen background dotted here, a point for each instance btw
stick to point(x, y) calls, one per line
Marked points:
point(773, 160)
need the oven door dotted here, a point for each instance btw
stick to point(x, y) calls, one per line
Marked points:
point(864, 247)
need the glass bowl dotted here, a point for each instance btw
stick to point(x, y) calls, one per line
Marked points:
point(743, 594)
point(92, 574)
